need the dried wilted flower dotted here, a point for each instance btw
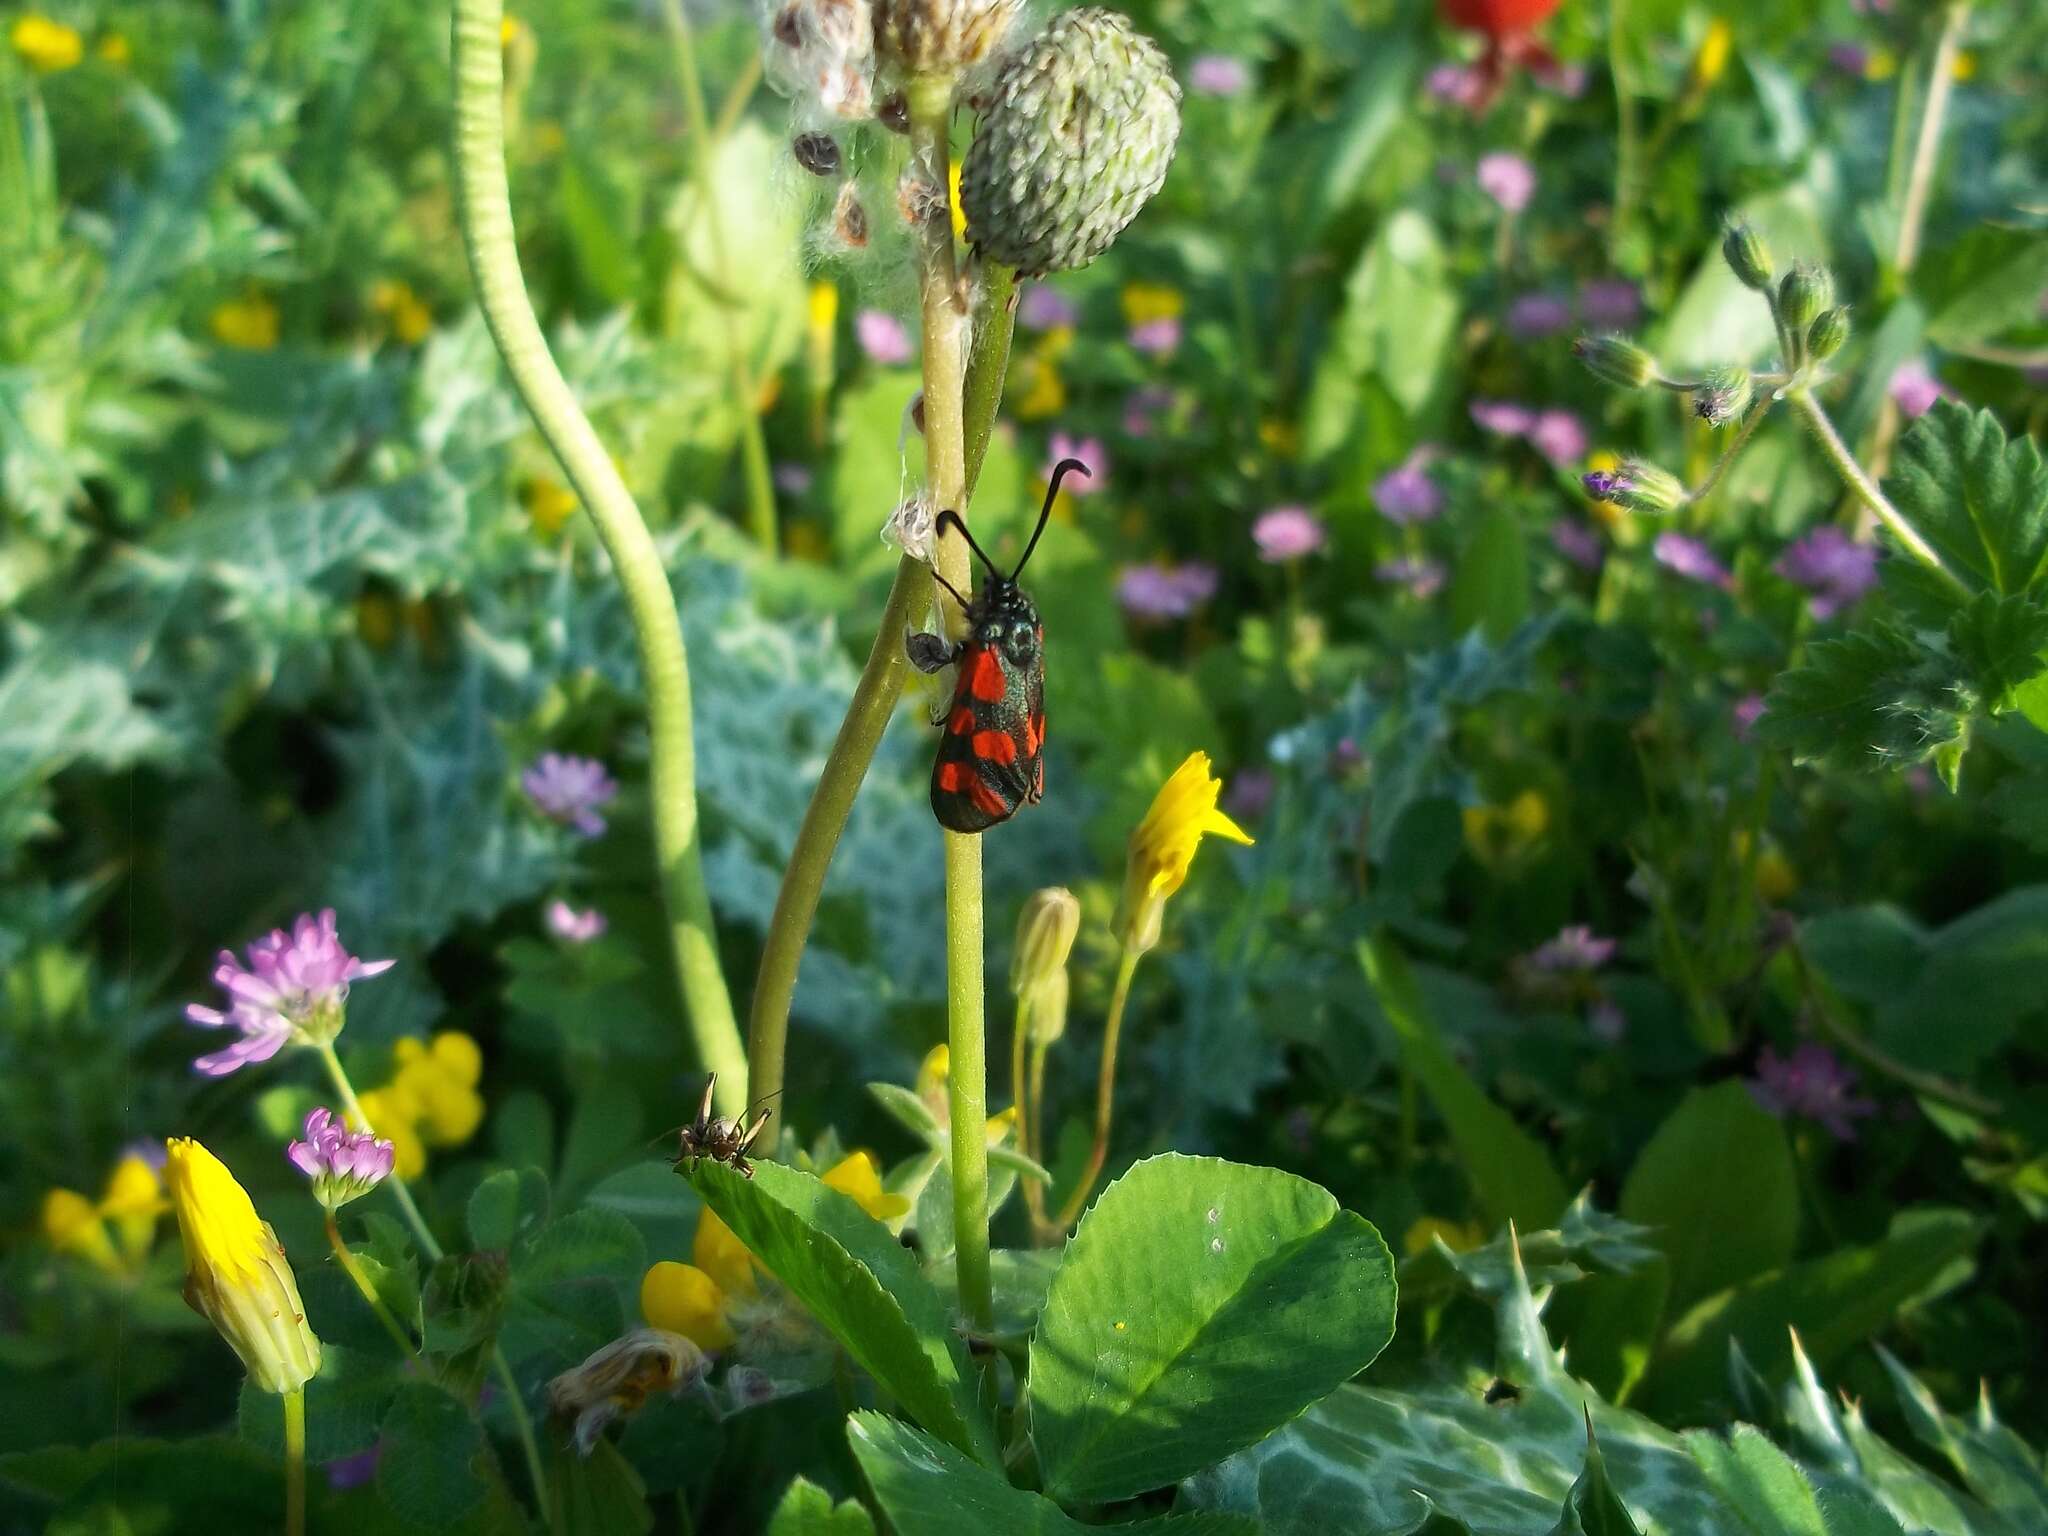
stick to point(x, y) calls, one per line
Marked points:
point(616, 1381)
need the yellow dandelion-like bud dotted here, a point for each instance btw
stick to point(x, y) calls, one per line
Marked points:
point(1163, 846)
point(236, 1273)
point(824, 306)
point(1046, 930)
point(683, 1299)
point(45, 46)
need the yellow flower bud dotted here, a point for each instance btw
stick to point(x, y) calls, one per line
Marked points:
point(856, 1176)
point(46, 46)
point(1164, 845)
point(1046, 929)
point(133, 1201)
point(681, 1298)
point(236, 1273)
point(932, 1073)
point(73, 1225)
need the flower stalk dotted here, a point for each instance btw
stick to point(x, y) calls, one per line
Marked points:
point(1866, 490)
point(485, 214)
point(354, 1271)
point(295, 1462)
point(1105, 1098)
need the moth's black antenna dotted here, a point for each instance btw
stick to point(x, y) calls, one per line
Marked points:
point(948, 586)
point(1059, 472)
point(950, 516)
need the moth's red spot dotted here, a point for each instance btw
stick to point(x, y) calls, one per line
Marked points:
point(1034, 734)
point(963, 720)
point(954, 777)
point(994, 747)
point(985, 676)
point(987, 799)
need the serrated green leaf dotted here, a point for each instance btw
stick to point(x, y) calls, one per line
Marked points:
point(1759, 1480)
point(505, 1206)
point(1999, 639)
point(1979, 500)
point(862, 1286)
point(1510, 1171)
point(808, 1510)
point(1720, 1231)
point(1876, 698)
point(432, 1469)
point(1200, 1305)
point(1848, 1510)
point(929, 1489)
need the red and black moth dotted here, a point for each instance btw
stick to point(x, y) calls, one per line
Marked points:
point(991, 757)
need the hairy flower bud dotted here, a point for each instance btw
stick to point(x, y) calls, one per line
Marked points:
point(1637, 485)
point(1723, 395)
point(236, 1274)
point(1827, 334)
point(1615, 359)
point(1038, 965)
point(1747, 255)
point(940, 37)
point(1079, 132)
point(1803, 293)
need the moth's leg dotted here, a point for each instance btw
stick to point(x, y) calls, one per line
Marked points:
point(928, 652)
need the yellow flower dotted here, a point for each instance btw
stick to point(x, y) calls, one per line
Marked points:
point(1499, 834)
point(1164, 845)
point(1145, 303)
point(718, 1251)
point(857, 1176)
point(236, 1273)
point(72, 1225)
point(1044, 393)
point(1711, 61)
point(113, 49)
point(410, 319)
point(1965, 66)
point(1772, 875)
point(1880, 64)
point(549, 503)
point(394, 1121)
point(440, 1078)
point(46, 46)
point(248, 323)
point(681, 1298)
point(953, 199)
point(824, 305)
point(1458, 1236)
point(133, 1200)
point(932, 1073)
point(509, 29)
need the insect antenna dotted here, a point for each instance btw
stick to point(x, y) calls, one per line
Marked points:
point(1059, 472)
point(949, 515)
point(949, 586)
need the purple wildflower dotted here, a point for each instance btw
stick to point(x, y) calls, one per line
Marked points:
point(1218, 74)
point(1747, 711)
point(1813, 1085)
point(1850, 58)
point(1914, 389)
point(1422, 576)
point(1249, 794)
point(1089, 451)
point(1835, 568)
point(1142, 408)
point(293, 989)
point(1156, 338)
point(1287, 533)
point(342, 1164)
point(1536, 315)
point(1689, 558)
point(1610, 303)
point(1159, 591)
point(1508, 179)
point(1567, 79)
point(569, 790)
point(1578, 543)
point(1503, 418)
point(882, 337)
point(571, 926)
point(346, 1472)
point(1046, 309)
point(1456, 85)
point(1405, 493)
point(1576, 948)
point(1559, 437)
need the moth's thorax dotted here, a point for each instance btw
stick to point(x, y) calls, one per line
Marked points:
point(1006, 621)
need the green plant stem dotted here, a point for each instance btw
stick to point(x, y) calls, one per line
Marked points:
point(1105, 1096)
point(1628, 131)
point(1866, 489)
point(761, 517)
point(945, 325)
point(515, 1404)
point(295, 1462)
point(874, 703)
point(1926, 145)
point(1733, 451)
point(369, 1292)
point(485, 211)
point(1928, 1084)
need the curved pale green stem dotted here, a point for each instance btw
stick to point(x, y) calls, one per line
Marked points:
point(368, 1291)
point(704, 142)
point(867, 717)
point(485, 212)
point(1920, 180)
point(1866, 489)
point(1105, 1098)
point(295, 1462)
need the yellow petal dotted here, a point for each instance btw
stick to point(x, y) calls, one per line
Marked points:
point(718, 1251)
point(73, 1226)
point(856, 1176)
point(459, 1056)
point(683, 1299)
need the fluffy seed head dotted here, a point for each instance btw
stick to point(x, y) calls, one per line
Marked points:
point(1080, 129)
point(940, 37)
point(1723, 395)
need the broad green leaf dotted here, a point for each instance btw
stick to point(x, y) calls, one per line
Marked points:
point(659, 1203)
point(929, 1489)
point(1593, 1508)
point(432, 1467)
point(1510, 1171)
point(596, 1495)
point(1490, 587)
point(1876, 698)
point(1726, 1226)
point(808, 1510)
point(344, 1405)
point(1999, 641)
point(1979, 500)
point(506, 1206)
point(1979, 982)
point(1200, 1305)
point(1716, 319)
point(1834, 1302)
point(1847, 1509)
point(862, 1285)
point(1760, 1480)
point(1372, 107)
point(1986, 283)
point(607, 1128)
point(1400, 311)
